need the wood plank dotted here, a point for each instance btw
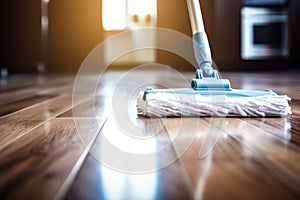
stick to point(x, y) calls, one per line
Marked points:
point(31, 92)
point(39, 86)
point(98, 108)
point(37, 164)
point(275, 155)
point(279, 127)
point(17, 82)
point(30, 81)
point(20, 123)
point(231, 169)
point(107, 182)
point(14, 106)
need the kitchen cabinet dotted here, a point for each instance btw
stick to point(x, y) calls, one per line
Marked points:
point(226, 38)
point(295, 32)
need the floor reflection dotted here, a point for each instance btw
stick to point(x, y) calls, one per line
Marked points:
point(120, 185)
point(119, 180)
point(168, 183)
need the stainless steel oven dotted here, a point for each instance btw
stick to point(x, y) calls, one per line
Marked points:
point(264, 33)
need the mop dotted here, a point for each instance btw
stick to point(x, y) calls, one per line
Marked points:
point(209, 95)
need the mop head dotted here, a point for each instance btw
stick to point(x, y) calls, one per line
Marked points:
point(162, 104)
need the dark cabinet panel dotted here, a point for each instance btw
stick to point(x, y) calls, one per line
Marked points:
point(226, 38)
point(226, 31)
point(295, 32)
point(20, 35)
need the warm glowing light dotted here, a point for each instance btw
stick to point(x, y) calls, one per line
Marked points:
point(142, 7)
point(118, 15)
point(44, 22)
point(114, 14)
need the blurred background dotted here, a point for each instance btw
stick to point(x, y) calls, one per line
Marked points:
point(54, 36)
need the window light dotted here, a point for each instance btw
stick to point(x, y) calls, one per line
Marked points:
point(121, 14)
point(114, 14)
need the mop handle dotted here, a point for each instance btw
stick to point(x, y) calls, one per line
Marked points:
point(195, 16)
point(201, 44)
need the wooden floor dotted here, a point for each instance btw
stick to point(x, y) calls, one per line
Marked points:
point(49, 152)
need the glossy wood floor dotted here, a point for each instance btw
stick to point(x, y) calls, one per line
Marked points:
point(49, 152)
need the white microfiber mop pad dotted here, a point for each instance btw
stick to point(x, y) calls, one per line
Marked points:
point(168, 105)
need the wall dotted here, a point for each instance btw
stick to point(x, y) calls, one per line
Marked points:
point(75, 29)
point(173, 14)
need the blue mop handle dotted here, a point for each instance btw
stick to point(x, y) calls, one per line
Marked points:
point(201, 45)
